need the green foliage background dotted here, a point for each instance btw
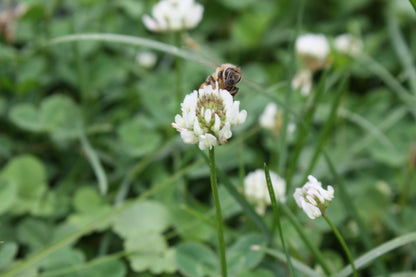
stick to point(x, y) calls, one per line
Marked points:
point(94, 181)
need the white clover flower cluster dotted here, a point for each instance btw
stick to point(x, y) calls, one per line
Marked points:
point(313, 50)
point(255, 189)
point(348, 45)
point(312, 198)
point(207, 117)
point(174, 15)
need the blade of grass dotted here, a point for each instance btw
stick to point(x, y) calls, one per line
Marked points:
point(282, 146)
point(138, 41)
point(350, 207)
point(413, 2)
point(326, 129)
point(304, 129)
point(301, 267)
point(95, 164)
point(402, 51)
point(277, 216)
point(373, 130)
point(379, 70)
point(372, 255)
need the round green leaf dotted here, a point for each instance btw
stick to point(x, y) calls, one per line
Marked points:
point(8, 251)
point(26, 116)
point(29, 175)
point(61, 116)
point(110, 268)
point(34, 233)
point(149, 251)
point(241, 256)
point(146, 216)
point(137, 138)
point(256, 273)
point(196, 260)
point(87, 199)
point(8, 194)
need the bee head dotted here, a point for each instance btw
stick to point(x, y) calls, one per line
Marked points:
point(232, 76)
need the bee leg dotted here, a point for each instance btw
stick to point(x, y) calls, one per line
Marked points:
point(234, 91)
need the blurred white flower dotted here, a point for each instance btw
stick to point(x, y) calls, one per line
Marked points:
point(268, 117)
point(348, 45)
point(303, 80)
point(174, 15)
point(255, 189)
point(146, 59)
point(207, 117)
point(313, 50)
point(312, 198)
point(272, 119)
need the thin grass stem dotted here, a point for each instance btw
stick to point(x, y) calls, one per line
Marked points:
point(277, 218)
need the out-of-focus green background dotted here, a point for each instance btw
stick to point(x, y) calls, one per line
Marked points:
point(86, 136)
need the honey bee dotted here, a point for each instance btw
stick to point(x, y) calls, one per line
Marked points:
point(227, 75)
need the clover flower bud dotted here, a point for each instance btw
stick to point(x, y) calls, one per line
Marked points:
point(312, 198)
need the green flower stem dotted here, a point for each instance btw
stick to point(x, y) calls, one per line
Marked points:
point(315, 252)
point(178, 69)
point(343, 244)
point(216, 197)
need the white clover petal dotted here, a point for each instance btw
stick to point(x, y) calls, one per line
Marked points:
point(242, 116)
point(150, 23)
point(208, 115)
point(207, 141)
point(197, 128)
point(217, 124)
point(189, 137)
point(180, 121)
point(311, 211)
point(225, 133)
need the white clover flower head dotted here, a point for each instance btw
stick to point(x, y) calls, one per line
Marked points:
point(313, 50)
point(348, 45)
point(255, 189)
point(174, 15)
point(303, 81)
point(207, 117)
point(312, 198)
point(146, 59)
